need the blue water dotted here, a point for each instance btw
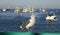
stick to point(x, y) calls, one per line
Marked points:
point(10, 22)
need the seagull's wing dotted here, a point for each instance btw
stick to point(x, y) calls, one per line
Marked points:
point(25, 23)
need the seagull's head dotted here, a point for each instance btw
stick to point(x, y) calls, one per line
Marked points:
point(33, 16)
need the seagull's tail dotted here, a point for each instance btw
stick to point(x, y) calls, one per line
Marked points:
point(21, 28)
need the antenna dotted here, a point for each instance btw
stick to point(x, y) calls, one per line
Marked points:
point(8, 6)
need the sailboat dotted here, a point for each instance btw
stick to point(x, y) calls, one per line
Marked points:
point(26, 9)
point(6, 9)
point(16, 10)
point(32, 10)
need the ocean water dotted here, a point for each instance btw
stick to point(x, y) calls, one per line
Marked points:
point(10, 22)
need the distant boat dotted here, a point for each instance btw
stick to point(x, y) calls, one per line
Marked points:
point(32, 10)
point(16, 10)
point(42, 11)
point(27, 9)
point(4, 10)
point(51, 17)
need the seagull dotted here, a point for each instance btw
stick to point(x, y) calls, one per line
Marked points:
point(51, 17)
point(28, 24)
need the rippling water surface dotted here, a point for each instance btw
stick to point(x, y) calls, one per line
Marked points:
point(11, 22)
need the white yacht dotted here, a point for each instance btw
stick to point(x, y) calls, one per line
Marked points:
point(42, 11)
point(51, 17)
point(4, 10)
point(25, 9)
point(28, 9)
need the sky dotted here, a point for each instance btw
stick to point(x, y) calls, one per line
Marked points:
point(30, 3)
